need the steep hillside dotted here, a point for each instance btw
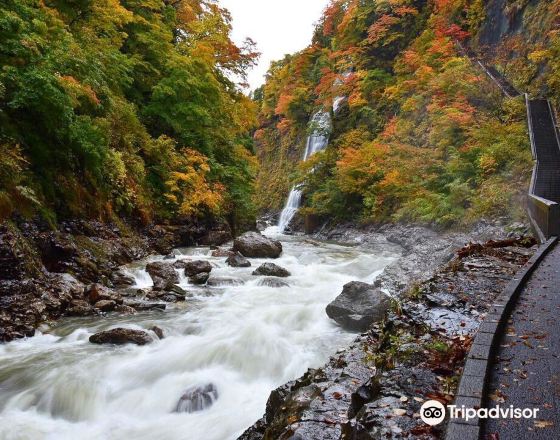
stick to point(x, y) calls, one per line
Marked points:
point(112, 109)
point(422, 134)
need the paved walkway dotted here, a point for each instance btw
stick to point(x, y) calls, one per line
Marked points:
point(526, 372)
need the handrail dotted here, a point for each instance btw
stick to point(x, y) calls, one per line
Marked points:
point(543, 212)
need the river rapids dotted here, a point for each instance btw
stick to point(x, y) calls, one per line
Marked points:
point(245, 340)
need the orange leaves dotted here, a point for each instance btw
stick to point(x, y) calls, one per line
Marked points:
point(379, 29)
point(401, 11)
point(330, 16)
point(283, 102)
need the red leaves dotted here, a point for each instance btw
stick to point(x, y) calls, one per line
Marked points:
point(454, 31)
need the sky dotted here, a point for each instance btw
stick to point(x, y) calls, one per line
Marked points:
point(278, 27)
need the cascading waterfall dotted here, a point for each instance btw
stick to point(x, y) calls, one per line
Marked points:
point(318, 140)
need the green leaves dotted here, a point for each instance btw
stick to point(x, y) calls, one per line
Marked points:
point(105, 96)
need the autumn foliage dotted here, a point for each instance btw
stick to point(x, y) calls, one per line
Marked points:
point(124, 108)
point(421, 135)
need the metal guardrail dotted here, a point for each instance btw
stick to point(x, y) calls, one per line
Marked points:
point(543, 212)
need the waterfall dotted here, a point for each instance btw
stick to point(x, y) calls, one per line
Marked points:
point(320, 126)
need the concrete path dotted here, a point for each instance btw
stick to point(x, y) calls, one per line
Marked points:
point(526, 372)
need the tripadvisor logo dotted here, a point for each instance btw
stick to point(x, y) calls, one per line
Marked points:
point(433, 412)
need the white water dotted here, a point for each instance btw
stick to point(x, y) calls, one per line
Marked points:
point(246, 340)
point(318, 140)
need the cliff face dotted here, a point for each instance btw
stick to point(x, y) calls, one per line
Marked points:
point(522, 38)
point(420, 134)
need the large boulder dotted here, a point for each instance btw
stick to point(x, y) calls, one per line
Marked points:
point(121, 336)
point(164, 275)
point(359, 306)
point(193, 268)
point(238, 260)
point(272, 270)
point(197, 399)
point(256, 245)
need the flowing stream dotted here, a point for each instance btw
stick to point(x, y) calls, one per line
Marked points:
point(245, 340)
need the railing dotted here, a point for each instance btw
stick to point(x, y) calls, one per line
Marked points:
point(544, 192)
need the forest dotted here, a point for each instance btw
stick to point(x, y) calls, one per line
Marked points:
point(423, 135)
point(136, 110)
point(124, 110)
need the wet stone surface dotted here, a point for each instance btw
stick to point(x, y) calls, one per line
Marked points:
point(374, 389)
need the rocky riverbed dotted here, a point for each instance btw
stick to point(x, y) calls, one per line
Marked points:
point(442, 287)
point(417, 315)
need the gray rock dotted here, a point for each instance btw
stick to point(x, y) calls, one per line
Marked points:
point(272, 270)
point(256, 245)
point(225, 281)
point(273, 282)
point(359, 306)
point(238, 260)
point(164, 275)
point(197, 399)
point(121, 336)
point(193, 268)
point(145, 305)
point(221, 252)
point(199, 278)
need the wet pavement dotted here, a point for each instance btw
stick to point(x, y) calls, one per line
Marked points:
point(526, 373)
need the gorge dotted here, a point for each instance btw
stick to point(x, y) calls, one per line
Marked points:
point(155, 278)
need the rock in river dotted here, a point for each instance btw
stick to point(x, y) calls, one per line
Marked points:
point(358, 306)
point(238, 260)
point(120, 336)
point(199, 278)
point(272, 282)
point(256, 245)
point(272, 270)
point(197, 399)
point(225, 281)
point(164, 275)
point(193, 268)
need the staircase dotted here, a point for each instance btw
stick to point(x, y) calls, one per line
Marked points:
point(505, 86)
point(544, 194)
point(499, 79)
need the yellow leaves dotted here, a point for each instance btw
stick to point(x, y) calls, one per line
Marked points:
point(189, 188)
point(539, 56)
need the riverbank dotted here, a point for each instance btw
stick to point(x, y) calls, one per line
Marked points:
point(46, 273)
point(443, 287)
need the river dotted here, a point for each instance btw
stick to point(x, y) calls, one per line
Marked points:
point(246, 340)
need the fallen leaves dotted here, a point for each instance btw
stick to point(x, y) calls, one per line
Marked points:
point(543, 424)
